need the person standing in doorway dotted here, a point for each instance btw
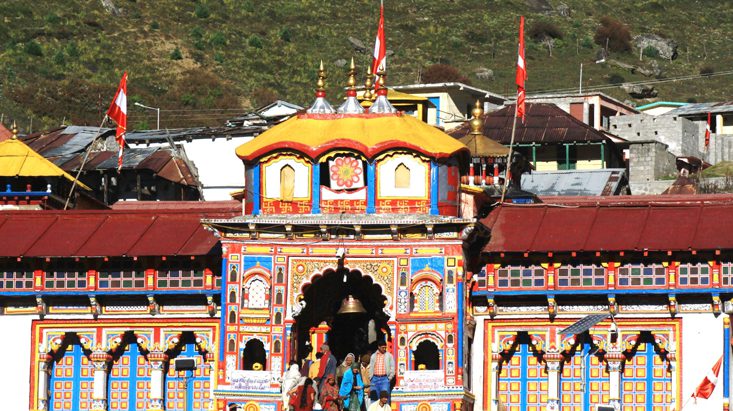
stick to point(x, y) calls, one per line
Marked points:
point(381, 371)
point(327, 365)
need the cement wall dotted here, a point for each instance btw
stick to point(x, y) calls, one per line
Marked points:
point(17, 349)
point(649, 161)
point(680, 134)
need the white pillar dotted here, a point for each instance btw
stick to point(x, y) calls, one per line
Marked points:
point(42, 386)
point(495, 371)
point(553, 380)
point(100, 362)
point(615, 362)
point(157, 360)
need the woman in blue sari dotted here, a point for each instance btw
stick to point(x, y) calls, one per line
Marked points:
point(352, 389)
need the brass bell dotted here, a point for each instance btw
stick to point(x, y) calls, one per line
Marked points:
point(351, 305)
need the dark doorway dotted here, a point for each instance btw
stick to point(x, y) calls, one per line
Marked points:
point(427, 354)
point(349, 333)
point(254, 353)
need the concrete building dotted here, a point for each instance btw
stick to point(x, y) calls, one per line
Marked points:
point(594, 109)
point(452, 102)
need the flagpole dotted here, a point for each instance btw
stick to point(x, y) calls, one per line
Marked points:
point(83, 161)
point(507, 173)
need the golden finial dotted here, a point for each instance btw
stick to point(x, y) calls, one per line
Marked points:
point(381, 76)
point(475, 122)
point(368, 85)
point(15, 131)
point(352, 76)
point(321, 84)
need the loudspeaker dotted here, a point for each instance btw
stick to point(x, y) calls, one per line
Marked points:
point(184, 364)
point(605, 408)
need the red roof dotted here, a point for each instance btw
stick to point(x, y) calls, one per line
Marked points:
point(645, 223)
point(128, 231)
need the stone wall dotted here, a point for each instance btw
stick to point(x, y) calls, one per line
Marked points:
point(682, 136)
point(649, 161)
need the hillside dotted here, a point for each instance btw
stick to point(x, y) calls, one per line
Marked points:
point(204, 61)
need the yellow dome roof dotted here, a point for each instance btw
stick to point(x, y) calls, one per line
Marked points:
point(369, 134)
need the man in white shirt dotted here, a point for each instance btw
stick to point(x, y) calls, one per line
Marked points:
point(382, 404)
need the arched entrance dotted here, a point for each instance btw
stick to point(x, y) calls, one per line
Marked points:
point(254, 353)
point(348, 333)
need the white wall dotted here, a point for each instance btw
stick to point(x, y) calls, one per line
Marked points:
point(15, 376)
point(702, 346)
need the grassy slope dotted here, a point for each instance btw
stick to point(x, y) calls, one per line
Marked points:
point(235, 52)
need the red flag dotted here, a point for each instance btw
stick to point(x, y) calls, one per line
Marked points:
point(118, 112)
point(521, 72)
point(706, 387)
point(379, 63)
point(707, 133)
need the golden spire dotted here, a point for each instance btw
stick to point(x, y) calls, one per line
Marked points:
point(381, 90)
point(476, 122)
point(321, 83)
point(368, 85)
point(352, 76)
point(14, 129)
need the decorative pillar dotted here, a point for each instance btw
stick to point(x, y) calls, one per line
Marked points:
point(100, 362)
point(157, 360)
point(726, 363)
point(615, 364)
point(316, 189)
point(553, 360)
point(371, 187)
point(44, 360)
point(495, 371)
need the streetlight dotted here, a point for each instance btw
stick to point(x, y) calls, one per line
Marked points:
point(151, 108)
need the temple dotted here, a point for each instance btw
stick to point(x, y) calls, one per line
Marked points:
point(361, 223)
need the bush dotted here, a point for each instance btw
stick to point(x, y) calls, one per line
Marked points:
point(218, 39)
point(443, 73)
point(53, 18)
point(285, 34)
point(613, 32)
point(154, 25)
point(255, 41)
point(33, 48)
point(202, 11)
point(59, 58)
point(542, 30)
point(707, 70)
point(650, 51)
point(616, 79)
point(176, 54)
point(197, 33)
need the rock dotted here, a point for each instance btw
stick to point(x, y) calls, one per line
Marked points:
point(640, 90)
point(652, 71)
point(340, 63)
point(358, 45)
point(110, 7)
point(563, 10)
point(483, 73)
point(539, 6)
point(667, 48)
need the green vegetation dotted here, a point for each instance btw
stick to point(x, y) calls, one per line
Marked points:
point(63, 60)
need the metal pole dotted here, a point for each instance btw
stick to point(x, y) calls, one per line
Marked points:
point(83, 161)
point(158, 110)
point(580, 85)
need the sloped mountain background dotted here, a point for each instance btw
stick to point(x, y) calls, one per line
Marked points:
point(203, 61)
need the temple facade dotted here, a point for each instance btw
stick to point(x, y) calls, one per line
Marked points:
point(342, 205)
point(589, 303)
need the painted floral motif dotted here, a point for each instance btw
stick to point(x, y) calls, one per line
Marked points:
point(346, 172)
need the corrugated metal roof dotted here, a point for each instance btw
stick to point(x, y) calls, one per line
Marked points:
point(135, 232)
point(694, 109)
point(661, 225)
point(574, 182)
point(545, 123)
point(179, 134)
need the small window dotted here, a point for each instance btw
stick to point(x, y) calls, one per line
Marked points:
point(278, 318)
point(232, 297)
point(233, 274)
point(279, 298)
point(402, 176)
point(277, 347)
point(232, 317)
point(287, 183)
point(231, 346)
point(279, 277)
point(427, 356)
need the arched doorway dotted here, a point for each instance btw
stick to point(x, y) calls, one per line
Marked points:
point(348, 333)
point(426, 354)
point(254, 353)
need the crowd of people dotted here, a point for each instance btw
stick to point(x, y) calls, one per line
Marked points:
point(321, 384)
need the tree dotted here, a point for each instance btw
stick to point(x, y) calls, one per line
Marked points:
point(546, 33)
point(443, 73)
point(613, 35)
